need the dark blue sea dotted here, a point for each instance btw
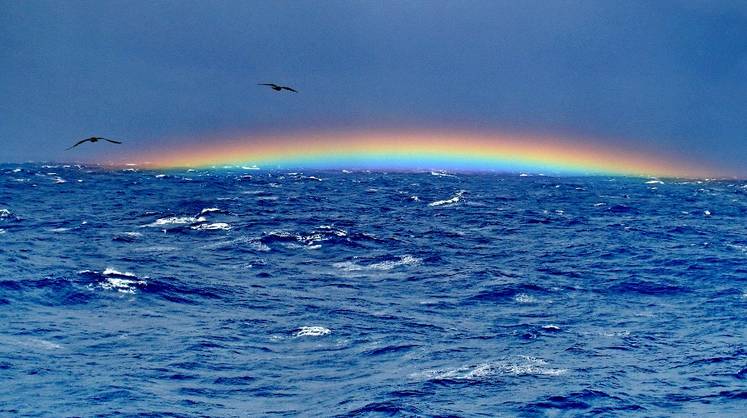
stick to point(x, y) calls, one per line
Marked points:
point(242, 292)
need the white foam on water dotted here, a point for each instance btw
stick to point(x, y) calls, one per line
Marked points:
point(312, 331)
point(453, 200)
point(706, 213)
point(521, 366)
point(405, 260)
point(209, 210)
point(441, 174)
point(121, 285)
point(615, 333)
point(551, 327)
point(654, 182)
point(5, 213)
point(160, 176)
point(254, 167)
point(112, 272)
point(414, 198)
point(334, 231)
point(212, 227)
point(156, 249)
point(58, 229)
point(176, 220)
point(524, 298)
point(2, 231)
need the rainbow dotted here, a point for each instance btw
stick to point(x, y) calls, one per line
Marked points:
point(406, 150)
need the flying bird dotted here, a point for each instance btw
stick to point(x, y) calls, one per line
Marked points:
point(278, 88)
point(93, 139)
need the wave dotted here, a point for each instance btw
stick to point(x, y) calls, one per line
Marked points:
point(217, 226)
point(518, 366)
point(312, 331)
point(451, 201)
point(384, 265)
point(176, 220)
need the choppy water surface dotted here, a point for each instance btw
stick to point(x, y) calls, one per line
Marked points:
point(239, 292)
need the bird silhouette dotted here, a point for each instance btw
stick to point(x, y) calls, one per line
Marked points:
point(277, 88)
point(93, 139)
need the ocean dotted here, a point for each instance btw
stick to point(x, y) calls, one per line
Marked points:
point(244, 292)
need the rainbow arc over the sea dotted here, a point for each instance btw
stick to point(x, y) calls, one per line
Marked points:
point(407, 150)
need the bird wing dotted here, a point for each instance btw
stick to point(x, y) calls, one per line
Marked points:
point(78, 143)
point(267, 84)
point(111, 140)
point(288, 88)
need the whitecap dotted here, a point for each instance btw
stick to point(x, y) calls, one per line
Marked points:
point(212, 227)
point(405, 260)
point(2, 231)
point(254, 167)
point(453, 200)
point(58, 229)
point(59, 180)
point(522, 366)
point(156, 249)
point(122, 285)
point(312, 331)
point(5, 213)
point(254, 243)
point(441, 174)
point(112, 272)
point(160, 176)
point(333, 230)
point(707, 213)
point(122, 282)
point(414, 198)
point(209, 210)
point(48, 345)
point(654, 182)
point(176, 220)
point(524, 298)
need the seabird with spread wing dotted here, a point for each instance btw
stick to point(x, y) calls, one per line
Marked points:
point(93, 139)
point(277, 88)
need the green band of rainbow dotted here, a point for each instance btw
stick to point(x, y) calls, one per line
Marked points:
point(418, 150)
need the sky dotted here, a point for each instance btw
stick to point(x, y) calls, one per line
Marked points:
point(666, 77)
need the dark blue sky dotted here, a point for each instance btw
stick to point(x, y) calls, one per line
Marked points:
point(665, 76)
